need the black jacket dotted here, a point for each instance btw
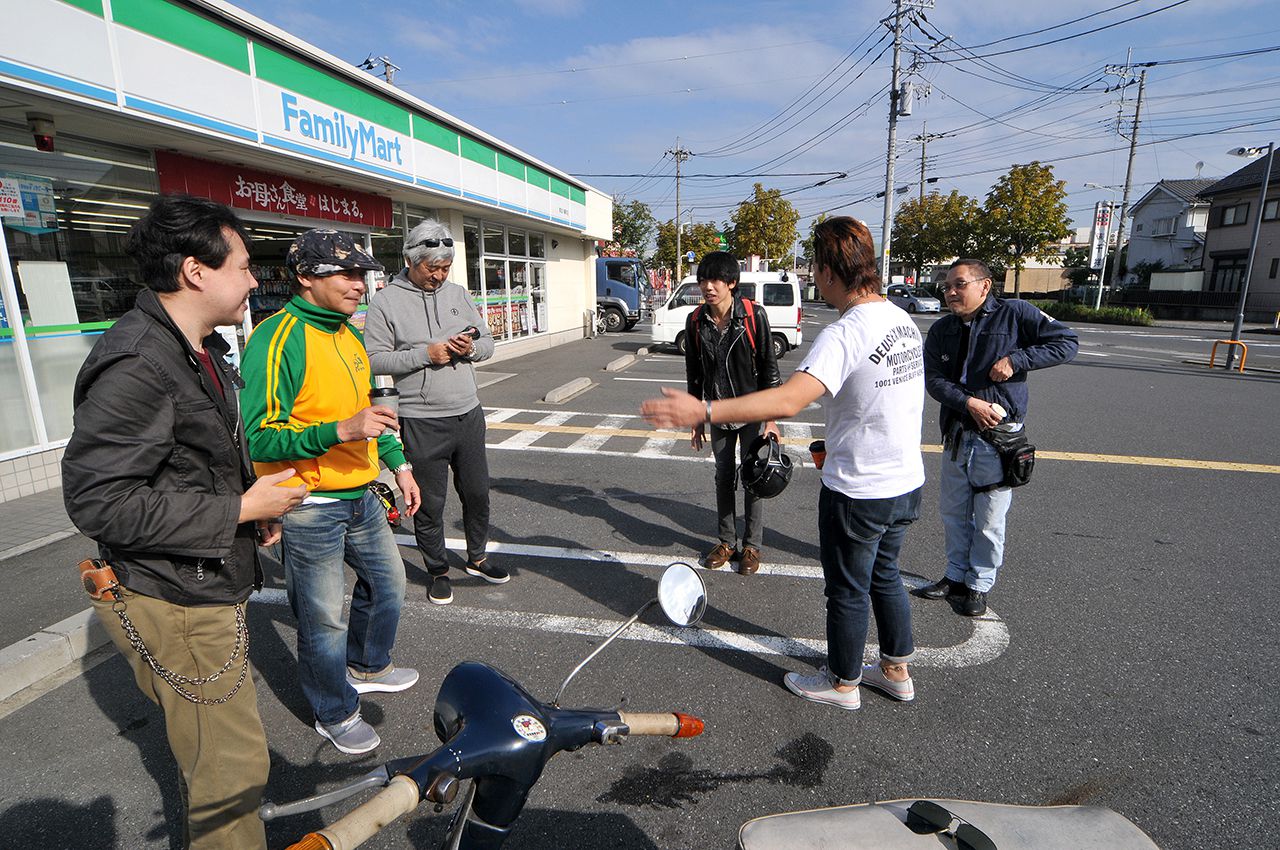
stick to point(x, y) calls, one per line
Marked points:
point(156, 464)
point(748, 371)
point(1029, 337)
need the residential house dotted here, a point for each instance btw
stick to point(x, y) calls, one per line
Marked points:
point(1232, 215)
point(1169, 223)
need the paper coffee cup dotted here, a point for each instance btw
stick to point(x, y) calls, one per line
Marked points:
point(818, 450)
point(385, 397)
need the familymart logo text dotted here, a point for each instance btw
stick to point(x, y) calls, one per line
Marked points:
point(358, 139)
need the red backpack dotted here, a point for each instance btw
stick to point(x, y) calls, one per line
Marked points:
point(748, 305)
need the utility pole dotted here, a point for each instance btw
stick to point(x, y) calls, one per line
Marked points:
point(900, 98)
point(1128, 174)
point(886, 230)
point(924, 139)
point(681, 155)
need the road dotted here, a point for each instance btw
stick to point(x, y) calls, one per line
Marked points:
point(1126, 660)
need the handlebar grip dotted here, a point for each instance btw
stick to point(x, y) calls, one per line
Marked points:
point(363, 822)
point(669, 724)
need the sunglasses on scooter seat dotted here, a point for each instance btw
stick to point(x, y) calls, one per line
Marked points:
point(925, 817)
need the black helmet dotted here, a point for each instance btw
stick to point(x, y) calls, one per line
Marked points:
point(766, 470)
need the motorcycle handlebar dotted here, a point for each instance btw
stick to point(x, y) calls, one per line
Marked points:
point(669, 724)
point(363, 822)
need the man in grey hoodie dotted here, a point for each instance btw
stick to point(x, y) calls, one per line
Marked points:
point(426, 333)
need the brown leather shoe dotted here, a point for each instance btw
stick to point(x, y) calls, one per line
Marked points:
point(718, 556)
point(750, 561)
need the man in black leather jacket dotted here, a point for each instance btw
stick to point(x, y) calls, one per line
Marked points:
point(728, 353)
point(157, 475)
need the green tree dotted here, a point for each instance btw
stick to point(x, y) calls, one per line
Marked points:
point(764, 225)
point(1025, 215)
point(701, 239)
point(633, 226)
point(806, 244)
point(936, 228)
point(1076, 264)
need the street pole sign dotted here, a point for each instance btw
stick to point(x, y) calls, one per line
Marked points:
point(1100, 237)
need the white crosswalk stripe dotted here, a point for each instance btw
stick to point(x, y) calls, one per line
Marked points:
point(523, 439)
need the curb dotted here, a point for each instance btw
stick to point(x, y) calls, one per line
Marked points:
point(565, 391)
point(621, 363)
point(47, 651)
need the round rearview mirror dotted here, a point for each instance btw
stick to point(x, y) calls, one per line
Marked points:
point(682, 594)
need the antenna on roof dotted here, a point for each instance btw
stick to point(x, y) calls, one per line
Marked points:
point(1199, 166)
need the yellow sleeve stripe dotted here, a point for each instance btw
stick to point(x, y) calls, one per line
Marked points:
point(275, 351)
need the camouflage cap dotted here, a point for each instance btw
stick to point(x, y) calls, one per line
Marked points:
point(319, 253)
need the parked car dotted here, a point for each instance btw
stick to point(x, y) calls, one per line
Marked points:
point(913, 301)
point(778, 294)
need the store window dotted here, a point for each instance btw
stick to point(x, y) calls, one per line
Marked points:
point(507, 279)
point(69, 268)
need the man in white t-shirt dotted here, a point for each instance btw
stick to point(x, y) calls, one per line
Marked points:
point(867, 368)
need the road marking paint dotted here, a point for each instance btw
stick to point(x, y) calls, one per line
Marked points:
point(676, 380)
point(528, 434)
point(1093, 353)
point(593, 441)
point(653, 437)
point(990, 637)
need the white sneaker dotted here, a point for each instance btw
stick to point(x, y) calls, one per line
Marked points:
point(389, 681)
point(820, 688)
point(873, 677)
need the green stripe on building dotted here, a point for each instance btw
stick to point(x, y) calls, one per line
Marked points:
point(577, 195)
point(559, 187)
point(183, 28)
point(477, 152)
point(534, 177)
point(426, 130)
point(93, 7)
point(511, 166)
point(316, 84)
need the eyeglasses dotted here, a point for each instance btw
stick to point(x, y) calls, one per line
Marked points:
point(925, 817)
point(961, 284)
point(432, 243)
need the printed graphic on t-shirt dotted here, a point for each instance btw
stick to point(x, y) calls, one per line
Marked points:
point(901, 351)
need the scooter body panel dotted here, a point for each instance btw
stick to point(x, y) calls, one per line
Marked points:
point(883, 826)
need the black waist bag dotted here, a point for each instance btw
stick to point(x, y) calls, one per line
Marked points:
point(1017, 457)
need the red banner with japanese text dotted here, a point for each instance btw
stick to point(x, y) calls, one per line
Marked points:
point(250, 189)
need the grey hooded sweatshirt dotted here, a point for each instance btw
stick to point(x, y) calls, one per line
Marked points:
point(402, 321)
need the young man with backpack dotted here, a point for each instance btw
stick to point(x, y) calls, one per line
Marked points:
point(729, 354)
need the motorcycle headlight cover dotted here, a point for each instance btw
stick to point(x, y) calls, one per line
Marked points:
point(766, 470)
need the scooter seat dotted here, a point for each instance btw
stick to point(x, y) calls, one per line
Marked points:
point(883, 826)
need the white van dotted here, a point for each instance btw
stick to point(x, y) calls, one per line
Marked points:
point(778, 293)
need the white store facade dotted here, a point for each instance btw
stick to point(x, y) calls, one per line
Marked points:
point(145, 97)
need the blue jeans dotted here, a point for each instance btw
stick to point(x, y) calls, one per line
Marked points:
point(973, 521)
point(859, 541)
point(318, 539)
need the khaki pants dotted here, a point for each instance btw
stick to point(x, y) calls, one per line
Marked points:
point(221, 750)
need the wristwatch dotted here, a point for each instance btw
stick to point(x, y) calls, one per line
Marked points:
point(404, 467)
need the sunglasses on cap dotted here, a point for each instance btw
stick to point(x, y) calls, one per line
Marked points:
point(925, 817)
point(432, 243)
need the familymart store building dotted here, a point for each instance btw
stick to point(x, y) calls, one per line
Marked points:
point(104, 104)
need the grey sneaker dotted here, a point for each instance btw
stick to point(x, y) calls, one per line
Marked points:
point(488, 572)
point(820, 688)
point(352, 736)
point(389, 681)
point(873, 677)
point(441, 592)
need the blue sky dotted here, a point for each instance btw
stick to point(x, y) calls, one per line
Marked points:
point(749, 88)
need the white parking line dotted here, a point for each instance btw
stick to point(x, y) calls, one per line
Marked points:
point(989, 640)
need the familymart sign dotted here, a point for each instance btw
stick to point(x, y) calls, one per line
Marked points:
point(296, 122)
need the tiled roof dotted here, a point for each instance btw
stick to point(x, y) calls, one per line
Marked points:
point(1186, 190)
point(1246, 178)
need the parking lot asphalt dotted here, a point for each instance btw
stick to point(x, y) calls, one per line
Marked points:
point(1124, 662)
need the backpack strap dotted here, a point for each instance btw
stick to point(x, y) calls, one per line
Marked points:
point(749, 306)
point(697, 337)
